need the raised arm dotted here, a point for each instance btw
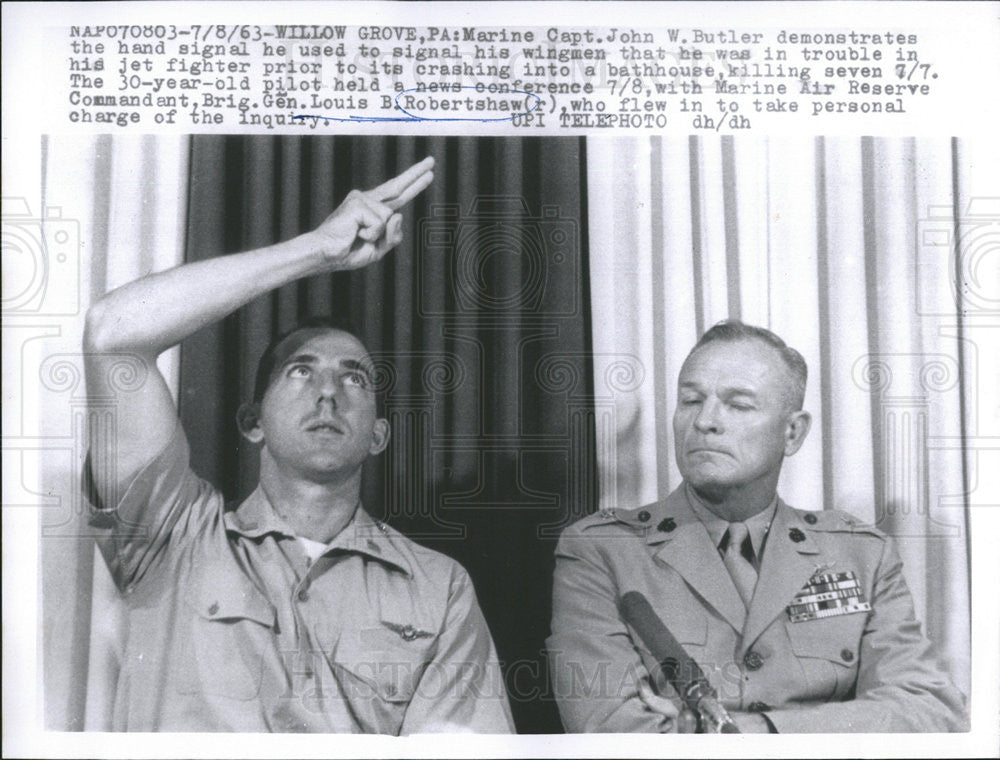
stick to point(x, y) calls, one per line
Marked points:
point(140, 320)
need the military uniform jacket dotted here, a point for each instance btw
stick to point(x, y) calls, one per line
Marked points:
point(853, 658)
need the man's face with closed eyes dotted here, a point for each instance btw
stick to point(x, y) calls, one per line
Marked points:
point(735, 421)
point(318, 418)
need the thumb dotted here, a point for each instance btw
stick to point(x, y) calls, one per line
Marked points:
point(655, 702)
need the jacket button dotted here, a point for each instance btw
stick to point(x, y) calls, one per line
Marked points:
point(753, 660)
point(213, 608)
point(643, 516)
point(666, 525)
point(847, 655)
point(796, 535)
point(810, 518)
point(758, 707)
point(304, 595)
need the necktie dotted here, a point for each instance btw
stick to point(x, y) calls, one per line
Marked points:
point(738, 560)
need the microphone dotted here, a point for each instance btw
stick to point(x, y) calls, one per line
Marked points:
point(683, 673)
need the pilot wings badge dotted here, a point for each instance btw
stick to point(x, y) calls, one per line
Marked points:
point(407, 632)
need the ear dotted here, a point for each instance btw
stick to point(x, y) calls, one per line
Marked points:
point(248, 421)
point(797, 430)
point(380, 436)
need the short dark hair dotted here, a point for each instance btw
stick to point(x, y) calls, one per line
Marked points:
point(733, 330)
point(265, 366)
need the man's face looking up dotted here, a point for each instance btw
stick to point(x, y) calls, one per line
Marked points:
point(318, 415)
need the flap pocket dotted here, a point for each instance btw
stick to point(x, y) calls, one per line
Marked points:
point(836, 639)
point(226, 637)
point(231, 596)
point(386, 659)
point(214, 603)
point(827, 651)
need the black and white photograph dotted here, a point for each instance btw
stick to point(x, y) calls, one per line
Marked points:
point(379, 428)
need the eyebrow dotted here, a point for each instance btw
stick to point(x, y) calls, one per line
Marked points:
point(359, 366)
point(299, 359)
point(734, 390)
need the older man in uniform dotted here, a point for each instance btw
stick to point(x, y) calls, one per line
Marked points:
point(801, 620)
point(296, 611)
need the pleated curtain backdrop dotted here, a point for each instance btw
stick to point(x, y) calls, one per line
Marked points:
point(479, 326)
point(125, 196)
point(845, 248)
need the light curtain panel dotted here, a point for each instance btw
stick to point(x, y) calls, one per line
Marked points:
point(129, 196)
point(847, 249)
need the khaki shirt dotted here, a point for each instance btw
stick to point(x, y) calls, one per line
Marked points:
point(852, 668)
point(233, 628)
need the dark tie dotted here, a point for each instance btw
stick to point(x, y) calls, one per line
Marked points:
point(738, 559)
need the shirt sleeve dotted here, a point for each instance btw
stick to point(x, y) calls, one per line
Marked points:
point(164, 503)
point(595, 667)
point(899, 686)
point(461, 690)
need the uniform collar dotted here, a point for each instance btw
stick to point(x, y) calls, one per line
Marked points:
point(758, 525)
point(682, 541)
point(255, 517)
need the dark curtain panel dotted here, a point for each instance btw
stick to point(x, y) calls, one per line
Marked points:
point(478, 323)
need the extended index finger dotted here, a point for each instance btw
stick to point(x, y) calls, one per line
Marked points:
point(398, 191)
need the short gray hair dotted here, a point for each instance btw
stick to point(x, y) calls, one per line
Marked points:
point(733, 330)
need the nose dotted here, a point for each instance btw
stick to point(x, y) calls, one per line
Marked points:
point(707, 420)
point(329, 388)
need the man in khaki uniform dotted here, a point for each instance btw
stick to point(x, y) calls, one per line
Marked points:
point(296, 611)
point(801, 620)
